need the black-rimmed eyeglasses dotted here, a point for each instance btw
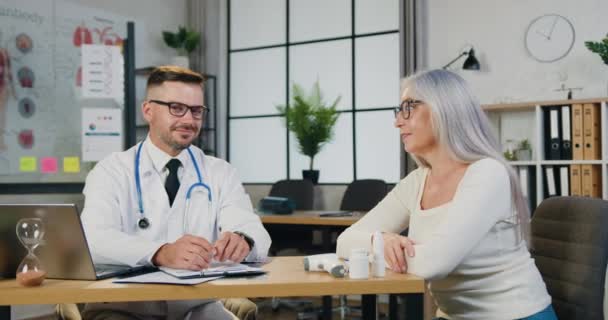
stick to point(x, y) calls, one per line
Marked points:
point(179, 109)
point(406, 107)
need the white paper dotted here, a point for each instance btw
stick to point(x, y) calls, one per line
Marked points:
point(161, 277)
point(101, 133)
point(102, 72)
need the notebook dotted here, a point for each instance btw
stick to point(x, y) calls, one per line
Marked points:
point(217, 269)
point(64, 253)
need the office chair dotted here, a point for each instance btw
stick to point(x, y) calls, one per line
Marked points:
point(569, 244)
point(360, 195)
point(299, 191)
point(363, 195)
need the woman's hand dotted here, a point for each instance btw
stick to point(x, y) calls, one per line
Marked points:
point(395, 247)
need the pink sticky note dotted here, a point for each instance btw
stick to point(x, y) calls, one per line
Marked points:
point(48, 165)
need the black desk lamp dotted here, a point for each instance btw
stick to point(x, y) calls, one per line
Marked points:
point(471, 63)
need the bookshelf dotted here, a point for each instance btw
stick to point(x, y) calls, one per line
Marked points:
point(530, 120)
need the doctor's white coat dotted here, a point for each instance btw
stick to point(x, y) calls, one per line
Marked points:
point(111, 210)
point(111, 214)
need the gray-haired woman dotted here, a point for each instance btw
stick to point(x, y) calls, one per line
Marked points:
point(468, 220)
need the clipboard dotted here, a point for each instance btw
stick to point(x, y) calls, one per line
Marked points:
point(216, 270)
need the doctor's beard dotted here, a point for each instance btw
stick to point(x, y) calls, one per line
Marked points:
point(175, 145)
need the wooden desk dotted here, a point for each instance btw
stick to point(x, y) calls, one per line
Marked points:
point(286, 277)
point(310, 218)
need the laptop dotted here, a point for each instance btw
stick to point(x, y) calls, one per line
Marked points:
point(64, 253)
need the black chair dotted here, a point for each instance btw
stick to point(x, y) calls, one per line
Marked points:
point(363, 195)
point(302, 193)
point(299, 191)
point(569, 243)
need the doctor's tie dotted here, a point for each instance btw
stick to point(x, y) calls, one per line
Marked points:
point(172, 183)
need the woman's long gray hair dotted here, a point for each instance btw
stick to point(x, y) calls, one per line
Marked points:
point(460, 125)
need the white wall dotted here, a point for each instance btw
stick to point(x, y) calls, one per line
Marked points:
point(497, 31)
point(151, 17)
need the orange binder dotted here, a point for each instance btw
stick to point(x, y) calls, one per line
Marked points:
point(591, 180)
point(577, 132)
point(591, 131)
point(575, 180)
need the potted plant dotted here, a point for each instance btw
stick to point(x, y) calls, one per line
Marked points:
point(510, 149)
point(184, 41)
point(524, 150)
point(312, 122)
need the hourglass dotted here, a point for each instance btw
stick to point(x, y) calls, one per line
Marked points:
point(30, 232)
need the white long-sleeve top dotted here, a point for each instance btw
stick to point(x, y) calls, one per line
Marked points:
point(469, 249)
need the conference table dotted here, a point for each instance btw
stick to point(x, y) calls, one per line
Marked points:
point(285, 277)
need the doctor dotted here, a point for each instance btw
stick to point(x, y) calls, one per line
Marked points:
point(164, 202)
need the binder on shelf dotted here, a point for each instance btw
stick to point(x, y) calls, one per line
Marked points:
point(577, 132)
point(575, 180)
point(591, 180)
point(564, 183)
point(566, 148)
point(551, 183)
point(553, 143)
point(527, 180)
point(591, 131)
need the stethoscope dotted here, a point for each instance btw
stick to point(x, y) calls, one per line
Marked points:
point(143, 222)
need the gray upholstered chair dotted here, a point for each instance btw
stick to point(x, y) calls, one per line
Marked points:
point(569, 243)
point(242, 308)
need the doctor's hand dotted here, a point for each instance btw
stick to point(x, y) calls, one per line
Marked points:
point(395, 248)
point(231, 246)
point(188, 252)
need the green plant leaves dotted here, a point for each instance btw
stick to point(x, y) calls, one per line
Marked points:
point(191, 41)
point(184, 40)
point(310, 119)
point(601, 48)
point(171, 40)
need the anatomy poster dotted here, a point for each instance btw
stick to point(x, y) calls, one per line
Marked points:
point(41, 97)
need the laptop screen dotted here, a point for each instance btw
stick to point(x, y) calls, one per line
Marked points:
point(64, 253)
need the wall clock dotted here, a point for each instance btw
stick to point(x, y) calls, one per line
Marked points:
point(549, 37)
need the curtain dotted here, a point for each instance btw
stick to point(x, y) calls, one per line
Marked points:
point(411, 34)
point(196, 20)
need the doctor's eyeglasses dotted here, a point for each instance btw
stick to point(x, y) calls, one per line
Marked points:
point(406, 107)
point(179, 109)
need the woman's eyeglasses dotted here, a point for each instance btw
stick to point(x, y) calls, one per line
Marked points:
point(406, 107)
point(179, 109)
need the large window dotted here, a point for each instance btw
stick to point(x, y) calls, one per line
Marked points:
point(351, 47)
